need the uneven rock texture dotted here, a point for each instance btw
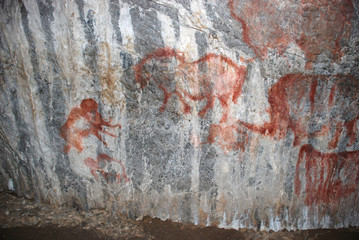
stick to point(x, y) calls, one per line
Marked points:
point(238, 113)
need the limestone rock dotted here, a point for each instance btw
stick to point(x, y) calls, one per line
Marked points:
point(238, 113)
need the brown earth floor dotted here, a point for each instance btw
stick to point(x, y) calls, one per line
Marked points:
point(158, 229)
point(25, 219)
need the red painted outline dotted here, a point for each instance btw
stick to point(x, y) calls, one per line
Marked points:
point(95, 168)
point(280, 116)
point(314, 34)
point(88, 111)
point(223, 80)
point(329, 177)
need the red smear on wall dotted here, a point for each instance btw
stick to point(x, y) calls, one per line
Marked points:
point(351, 131)
point(328, 177)
point(313, 90)
point(93, 125)
point(209, 78)
point(316, 26)
point(100, 165)
point(228, 137)
point(289, 96)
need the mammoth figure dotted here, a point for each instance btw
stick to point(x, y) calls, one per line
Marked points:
point(209, 78)
point(315, 26)
point(311, 106)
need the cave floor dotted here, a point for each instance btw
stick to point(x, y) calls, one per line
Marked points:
point(21, 218)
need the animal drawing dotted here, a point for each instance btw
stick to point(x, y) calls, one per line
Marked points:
point(208, 78)
point(84, 120)
point(312, 106)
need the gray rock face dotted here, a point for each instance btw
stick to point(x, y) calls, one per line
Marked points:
point(229, 113)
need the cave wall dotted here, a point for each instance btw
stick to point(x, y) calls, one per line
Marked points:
point(238, 113)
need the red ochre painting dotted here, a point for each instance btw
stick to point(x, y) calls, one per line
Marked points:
point(326, 177)
point(209, 78)
point(298, 100)
point(101, 166)
point(84, 120)
point(206, 79)
point(316, 26)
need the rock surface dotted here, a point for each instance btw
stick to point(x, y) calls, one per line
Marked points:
point(238, 113)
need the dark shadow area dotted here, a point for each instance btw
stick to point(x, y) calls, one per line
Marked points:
point(170, 230)
point(157, 229)
point(50, 233)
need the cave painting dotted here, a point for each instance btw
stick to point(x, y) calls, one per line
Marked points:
point(315, 26)
point(326, 177)
point(312, 106)
point(106, 167)
point(209, 78)
point(297, 101)
point(84, 120)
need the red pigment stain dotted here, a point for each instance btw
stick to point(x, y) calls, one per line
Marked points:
point(93, 121)
point(338, 131)
point(351, 132)
point(209, 78)
point(103, 160)
point(289, 96)
point(316, 26)
point(351, 127)
point(313, 90)
point(328, 178)
point(229, 138)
